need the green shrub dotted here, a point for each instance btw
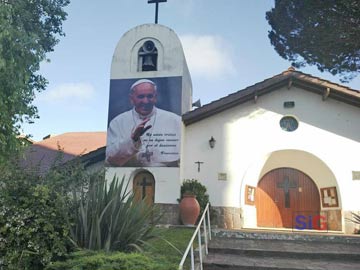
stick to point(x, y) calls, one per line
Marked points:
point(36, 212)
point(33, 224)
point(157, 255)
point(87, 260)
point(199, 190)
point(109, 218)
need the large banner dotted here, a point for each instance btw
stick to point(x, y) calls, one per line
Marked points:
point(144, 122)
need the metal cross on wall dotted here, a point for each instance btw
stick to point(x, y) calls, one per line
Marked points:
point(156, 7)
point(144, 184)
point(199, 163)
point(286, 185)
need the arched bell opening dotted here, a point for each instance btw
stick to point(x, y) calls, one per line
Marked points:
point(148, 57)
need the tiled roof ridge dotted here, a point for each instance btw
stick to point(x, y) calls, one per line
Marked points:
point(79, 132)
point(234, 93)
point(293, 70)
point(287, 78)
point(290, 72)
point(71, 133)
point(77, 143)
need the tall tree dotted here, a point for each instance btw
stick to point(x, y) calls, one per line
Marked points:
point(28, 30)
point(324, 33)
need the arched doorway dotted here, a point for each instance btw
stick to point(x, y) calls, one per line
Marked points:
point(144, 187)
point(284, 193)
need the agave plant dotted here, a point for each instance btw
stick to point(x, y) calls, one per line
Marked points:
point(109, 218)
point(355, 218)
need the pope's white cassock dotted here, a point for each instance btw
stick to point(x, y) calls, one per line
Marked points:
point(158, 147)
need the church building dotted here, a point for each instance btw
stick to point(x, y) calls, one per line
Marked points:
point(283, 153)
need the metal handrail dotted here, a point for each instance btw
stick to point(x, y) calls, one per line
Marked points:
point(198, 232)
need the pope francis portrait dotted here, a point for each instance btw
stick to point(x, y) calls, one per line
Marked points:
point(144, 136)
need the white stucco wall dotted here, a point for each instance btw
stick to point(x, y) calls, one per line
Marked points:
point(250, 142)
point(167, 184)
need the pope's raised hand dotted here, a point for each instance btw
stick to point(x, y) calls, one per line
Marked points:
point(140, 130)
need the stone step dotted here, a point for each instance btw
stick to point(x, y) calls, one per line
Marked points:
point(237, 262)
point(271, 250)
point(286, 249)
point(287, 235)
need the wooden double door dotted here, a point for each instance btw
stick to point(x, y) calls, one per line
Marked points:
point(282, 194)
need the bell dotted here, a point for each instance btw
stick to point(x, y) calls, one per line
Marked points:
point(148, 64)
point(149, 47)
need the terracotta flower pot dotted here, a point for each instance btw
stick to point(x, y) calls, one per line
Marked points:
point(189, 209)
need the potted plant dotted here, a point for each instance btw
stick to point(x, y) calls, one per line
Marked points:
point(189, 208)
point(191, 187)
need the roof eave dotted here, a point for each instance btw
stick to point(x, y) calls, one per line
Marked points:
point(289, 79)
point(232, 100)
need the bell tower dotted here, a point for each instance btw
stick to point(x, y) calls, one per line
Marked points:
point(150, 55)
point(152, 51)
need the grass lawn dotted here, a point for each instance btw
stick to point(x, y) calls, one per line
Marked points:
point(160, 250)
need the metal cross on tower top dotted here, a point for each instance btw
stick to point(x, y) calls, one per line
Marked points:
point(156, 7)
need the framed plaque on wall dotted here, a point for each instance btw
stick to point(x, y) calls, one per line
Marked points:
point(250, 195)
point(329, 197)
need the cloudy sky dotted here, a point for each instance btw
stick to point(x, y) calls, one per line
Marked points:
point(225, 43)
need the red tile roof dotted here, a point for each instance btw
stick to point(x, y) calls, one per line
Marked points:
point(67, 146)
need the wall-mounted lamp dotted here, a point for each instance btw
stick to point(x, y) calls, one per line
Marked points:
point(212, 142)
